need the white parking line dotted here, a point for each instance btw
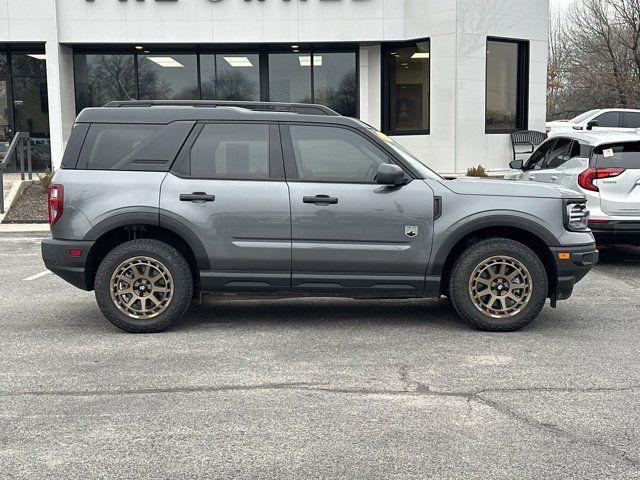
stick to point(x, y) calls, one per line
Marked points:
point(36, 276)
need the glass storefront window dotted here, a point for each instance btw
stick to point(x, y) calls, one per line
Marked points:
point(4, 115)
point(408, 88)
point(102, 78)
point(335, 81)
point(290, 77)
point(29, 63)
point(3, 64)
point(168, 76)
point(24, 103)
point(31, 114)
point(230, 76)
point(506, 86)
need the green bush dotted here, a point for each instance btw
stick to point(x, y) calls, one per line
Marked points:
point(478, 171)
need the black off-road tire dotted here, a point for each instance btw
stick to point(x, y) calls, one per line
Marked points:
point(171, 259)
point(475, 255)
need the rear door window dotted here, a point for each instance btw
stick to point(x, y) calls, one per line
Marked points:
point(231, 151)
point(621, 155)
point(631, 120)
point(609, 120)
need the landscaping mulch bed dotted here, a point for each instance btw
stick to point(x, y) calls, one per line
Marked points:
point(30, 206)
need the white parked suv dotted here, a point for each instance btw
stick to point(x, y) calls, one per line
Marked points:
point(600, 120)
point(604, 166)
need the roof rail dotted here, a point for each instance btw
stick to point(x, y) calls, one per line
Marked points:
point(301, 108)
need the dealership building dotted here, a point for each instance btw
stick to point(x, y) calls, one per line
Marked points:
point(449, 79)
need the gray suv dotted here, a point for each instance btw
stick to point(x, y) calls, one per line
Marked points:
point(156, 202)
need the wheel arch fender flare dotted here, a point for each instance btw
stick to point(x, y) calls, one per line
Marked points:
point(482, 221)
point(152, 218)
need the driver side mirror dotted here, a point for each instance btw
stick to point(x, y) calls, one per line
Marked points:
point(591, 124)
point(389, 174)
point(516, 164)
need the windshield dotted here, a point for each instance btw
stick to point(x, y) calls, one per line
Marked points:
point(412, 161)
point(619, 155)
point(584, 116)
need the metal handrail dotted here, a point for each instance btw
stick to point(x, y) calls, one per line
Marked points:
point(20, 138)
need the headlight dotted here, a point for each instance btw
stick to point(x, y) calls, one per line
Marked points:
point(577, 216)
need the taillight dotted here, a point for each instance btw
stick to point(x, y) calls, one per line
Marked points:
point(56, 202)
point(586, 178)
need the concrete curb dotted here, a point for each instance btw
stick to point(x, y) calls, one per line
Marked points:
point(24, 227)
point(16, 189)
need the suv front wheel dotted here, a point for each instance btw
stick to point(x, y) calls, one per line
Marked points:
point(498, 285)
point(143, 286)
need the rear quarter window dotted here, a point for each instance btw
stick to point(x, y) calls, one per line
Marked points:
point(145, 147)
point(621, 155)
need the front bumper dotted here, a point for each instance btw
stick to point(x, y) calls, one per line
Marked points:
point(572, 264)
point(616, 232)
point(57, 258)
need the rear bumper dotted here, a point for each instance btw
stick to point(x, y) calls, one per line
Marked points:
point(616, 232)
point(55, 254)
point(571, 270)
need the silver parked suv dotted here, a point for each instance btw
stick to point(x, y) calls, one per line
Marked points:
point(156, 202)
point(604, 166)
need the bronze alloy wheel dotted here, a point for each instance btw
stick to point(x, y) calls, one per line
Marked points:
point(141, 287)
point(500, 287)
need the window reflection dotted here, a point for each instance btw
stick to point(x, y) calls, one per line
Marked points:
point(230, 76)
point(168, 77)
point(335, 81)
point(290, 77)
point(103, 78)
point(3, 64)
point(29, 63)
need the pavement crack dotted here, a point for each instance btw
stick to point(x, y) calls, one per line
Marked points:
point(420, 389)
point(556, 430)
point(627, 388)
point(156, 391)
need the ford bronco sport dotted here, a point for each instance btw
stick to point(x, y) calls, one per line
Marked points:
point(156, 202)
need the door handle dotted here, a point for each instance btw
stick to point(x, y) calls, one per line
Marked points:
point(197, 197)
point(554, 177)
point(532, 177)
point(320, 199)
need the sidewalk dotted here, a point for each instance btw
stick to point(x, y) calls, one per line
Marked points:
point(24, 227)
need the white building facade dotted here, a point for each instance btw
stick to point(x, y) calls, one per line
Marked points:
point(449, 79)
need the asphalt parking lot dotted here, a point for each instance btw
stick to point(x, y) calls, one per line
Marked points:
point(317, 388)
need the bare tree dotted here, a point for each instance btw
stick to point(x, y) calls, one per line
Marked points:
point(594, 57)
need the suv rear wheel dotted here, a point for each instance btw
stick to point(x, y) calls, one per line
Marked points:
point(498, 285)
point(143, 286)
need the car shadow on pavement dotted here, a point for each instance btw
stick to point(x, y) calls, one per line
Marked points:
point(312, 311)
point(619, 255)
